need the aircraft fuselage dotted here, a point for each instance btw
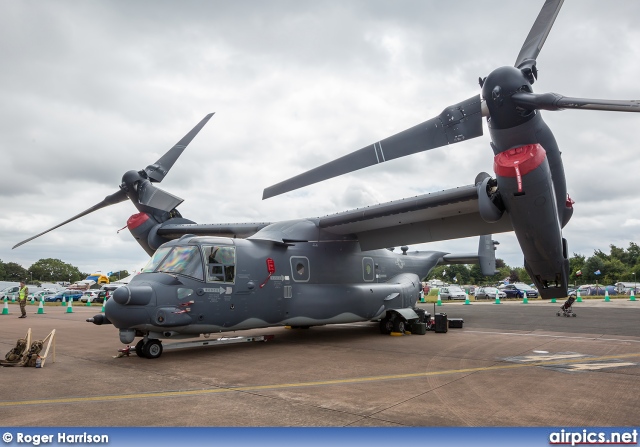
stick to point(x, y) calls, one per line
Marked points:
point(198, 285)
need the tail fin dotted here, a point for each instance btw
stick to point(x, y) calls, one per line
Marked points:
point(486, 256)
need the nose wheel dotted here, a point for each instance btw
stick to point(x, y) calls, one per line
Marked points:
point(151, 349)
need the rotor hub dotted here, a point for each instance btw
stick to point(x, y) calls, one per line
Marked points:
point(497, 90)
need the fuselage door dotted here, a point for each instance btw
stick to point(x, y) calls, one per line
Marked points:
point(368, 269)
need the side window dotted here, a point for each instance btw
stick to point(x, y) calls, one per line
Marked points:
point(221, 263)
point(300, 268)
point(368, 269)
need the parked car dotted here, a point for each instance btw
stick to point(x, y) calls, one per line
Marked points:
point(489, 293)
point(10, 292)
point(452, 293)
point(592, 289)
point(67, 294)
point(39, 295)
point(519, 290)
point(93, 296)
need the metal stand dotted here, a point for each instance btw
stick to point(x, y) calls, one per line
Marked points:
point(52, 340)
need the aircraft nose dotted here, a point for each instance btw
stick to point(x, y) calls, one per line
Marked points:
point(133, 295)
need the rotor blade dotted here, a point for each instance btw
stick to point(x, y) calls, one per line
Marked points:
point(456, 123)
point(157, 171)
point(156, 198)
point(554, 101)
point(539, 32)
point(117, 197)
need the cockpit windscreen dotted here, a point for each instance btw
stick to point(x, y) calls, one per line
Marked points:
point(180, 260)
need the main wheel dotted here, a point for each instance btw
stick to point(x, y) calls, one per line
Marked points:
point(398, 326)
point(386, 326)
point(152, 349)
point(140, 348)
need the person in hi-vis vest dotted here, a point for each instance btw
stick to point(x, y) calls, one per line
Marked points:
point(22, 299)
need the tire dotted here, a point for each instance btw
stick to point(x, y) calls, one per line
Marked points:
point(140, 348)
point(152, 349)
point(399, 326)
point(386, 326)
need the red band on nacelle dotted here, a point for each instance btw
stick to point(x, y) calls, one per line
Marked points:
point(136, 220)
point(519, 161)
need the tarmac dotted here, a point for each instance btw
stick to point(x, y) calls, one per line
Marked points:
point(511, 364)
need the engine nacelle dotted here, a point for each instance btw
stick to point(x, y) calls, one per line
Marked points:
point(143, 227)
point(526, 188)
point(489, 212)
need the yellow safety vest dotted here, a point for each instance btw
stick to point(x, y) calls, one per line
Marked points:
point(22, 293)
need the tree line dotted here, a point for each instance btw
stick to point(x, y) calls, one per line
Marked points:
point(48, 270)
point(620, 265)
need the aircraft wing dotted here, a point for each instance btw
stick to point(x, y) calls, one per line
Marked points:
point(235, 230)
point(449, 214)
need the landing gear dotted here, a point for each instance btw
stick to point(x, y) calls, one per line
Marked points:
point(392, 324)
point(139, 347)
point(151, 349)
point(386, 326)
point(398, 326)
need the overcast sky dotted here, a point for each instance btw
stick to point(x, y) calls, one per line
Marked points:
point(92, 89)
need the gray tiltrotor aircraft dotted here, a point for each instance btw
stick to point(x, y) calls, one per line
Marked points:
point(203, 279)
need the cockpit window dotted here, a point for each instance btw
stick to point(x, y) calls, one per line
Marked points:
point(221, 263)
point(183, 261)
point(157, 257)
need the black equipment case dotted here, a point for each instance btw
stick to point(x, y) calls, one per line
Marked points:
point(441, 322)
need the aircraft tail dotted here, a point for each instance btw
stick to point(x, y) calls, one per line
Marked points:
point(486, 256)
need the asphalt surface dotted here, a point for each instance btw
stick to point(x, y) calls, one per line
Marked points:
point(512, 364)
